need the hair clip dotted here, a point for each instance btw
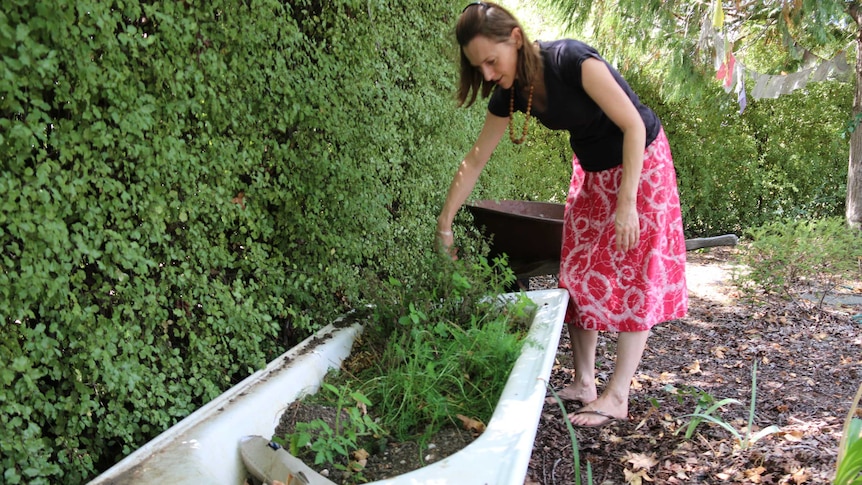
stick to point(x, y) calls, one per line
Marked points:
point(481, 4)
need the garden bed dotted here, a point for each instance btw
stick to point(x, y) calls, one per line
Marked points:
point(204, 448)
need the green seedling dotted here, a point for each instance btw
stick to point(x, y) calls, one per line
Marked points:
point(333, 445)
point(745, 438)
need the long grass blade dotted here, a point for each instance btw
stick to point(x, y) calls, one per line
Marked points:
point(713, 419)
point(747, 441)
point(764, 432)
point(574, 438)
point(847, 434)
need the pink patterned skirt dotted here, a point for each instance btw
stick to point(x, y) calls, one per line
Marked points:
point(631, 291)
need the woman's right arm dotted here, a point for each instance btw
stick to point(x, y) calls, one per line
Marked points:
point(467, 175)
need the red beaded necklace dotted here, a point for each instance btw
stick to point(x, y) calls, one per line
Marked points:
point(518, 141)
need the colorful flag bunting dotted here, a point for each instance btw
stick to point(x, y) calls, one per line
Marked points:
point(741, 96)
point(732, 73)
point(718, 16)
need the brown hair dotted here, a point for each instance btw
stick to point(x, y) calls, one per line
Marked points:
point(496, 23)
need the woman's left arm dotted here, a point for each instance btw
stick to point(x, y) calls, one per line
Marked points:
point(601, 86)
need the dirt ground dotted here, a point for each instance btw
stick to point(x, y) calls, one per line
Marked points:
point(809, 368)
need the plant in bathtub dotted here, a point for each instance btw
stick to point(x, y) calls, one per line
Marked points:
point(333, 444)
point(432, 351)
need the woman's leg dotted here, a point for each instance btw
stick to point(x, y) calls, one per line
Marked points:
point(583, 389)
point(614, 401)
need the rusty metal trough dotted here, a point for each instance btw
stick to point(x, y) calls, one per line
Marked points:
point(525, 230)
point(531, 233)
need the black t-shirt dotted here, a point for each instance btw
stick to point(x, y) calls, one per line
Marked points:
point(595, 139)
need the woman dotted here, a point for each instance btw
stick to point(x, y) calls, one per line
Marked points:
point(623, 253)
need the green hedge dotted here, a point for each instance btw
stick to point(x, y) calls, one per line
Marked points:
point(780, 158)
point(190, 187)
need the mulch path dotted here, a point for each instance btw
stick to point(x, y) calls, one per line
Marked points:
point(809, 366)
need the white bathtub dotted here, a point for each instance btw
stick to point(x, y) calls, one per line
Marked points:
point(203, 448)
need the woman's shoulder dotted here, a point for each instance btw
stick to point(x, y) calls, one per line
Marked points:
point(568, 49)
point(563, 58)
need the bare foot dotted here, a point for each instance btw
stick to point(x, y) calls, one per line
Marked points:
point(577, 392)
point(600, 412)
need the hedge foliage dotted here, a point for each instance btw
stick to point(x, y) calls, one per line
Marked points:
point(779, 159)
point(189, 187)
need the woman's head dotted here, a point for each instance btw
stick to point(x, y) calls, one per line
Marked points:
point(494, 50)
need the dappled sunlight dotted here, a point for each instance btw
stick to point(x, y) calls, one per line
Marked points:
point(710, 281)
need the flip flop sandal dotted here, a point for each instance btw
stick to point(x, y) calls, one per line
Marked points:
point(608, 418)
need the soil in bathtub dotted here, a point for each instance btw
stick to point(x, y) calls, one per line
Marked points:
point(420, 382)
point(385, 458)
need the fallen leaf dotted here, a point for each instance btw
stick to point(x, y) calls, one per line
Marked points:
point(794, 436)
point(632, 477)
point(641, 460)
point(754, 474)
point(636, 478)
point(360, 454)
point(361, 457)
point(800, 476)
point(239, 199)
point(474, 426)
point(694, 368)
point(666, 377)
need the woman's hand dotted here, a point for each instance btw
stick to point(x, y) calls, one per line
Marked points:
point(465, 179)
point(599, 83)
point(626, 226)
point(446, 243)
